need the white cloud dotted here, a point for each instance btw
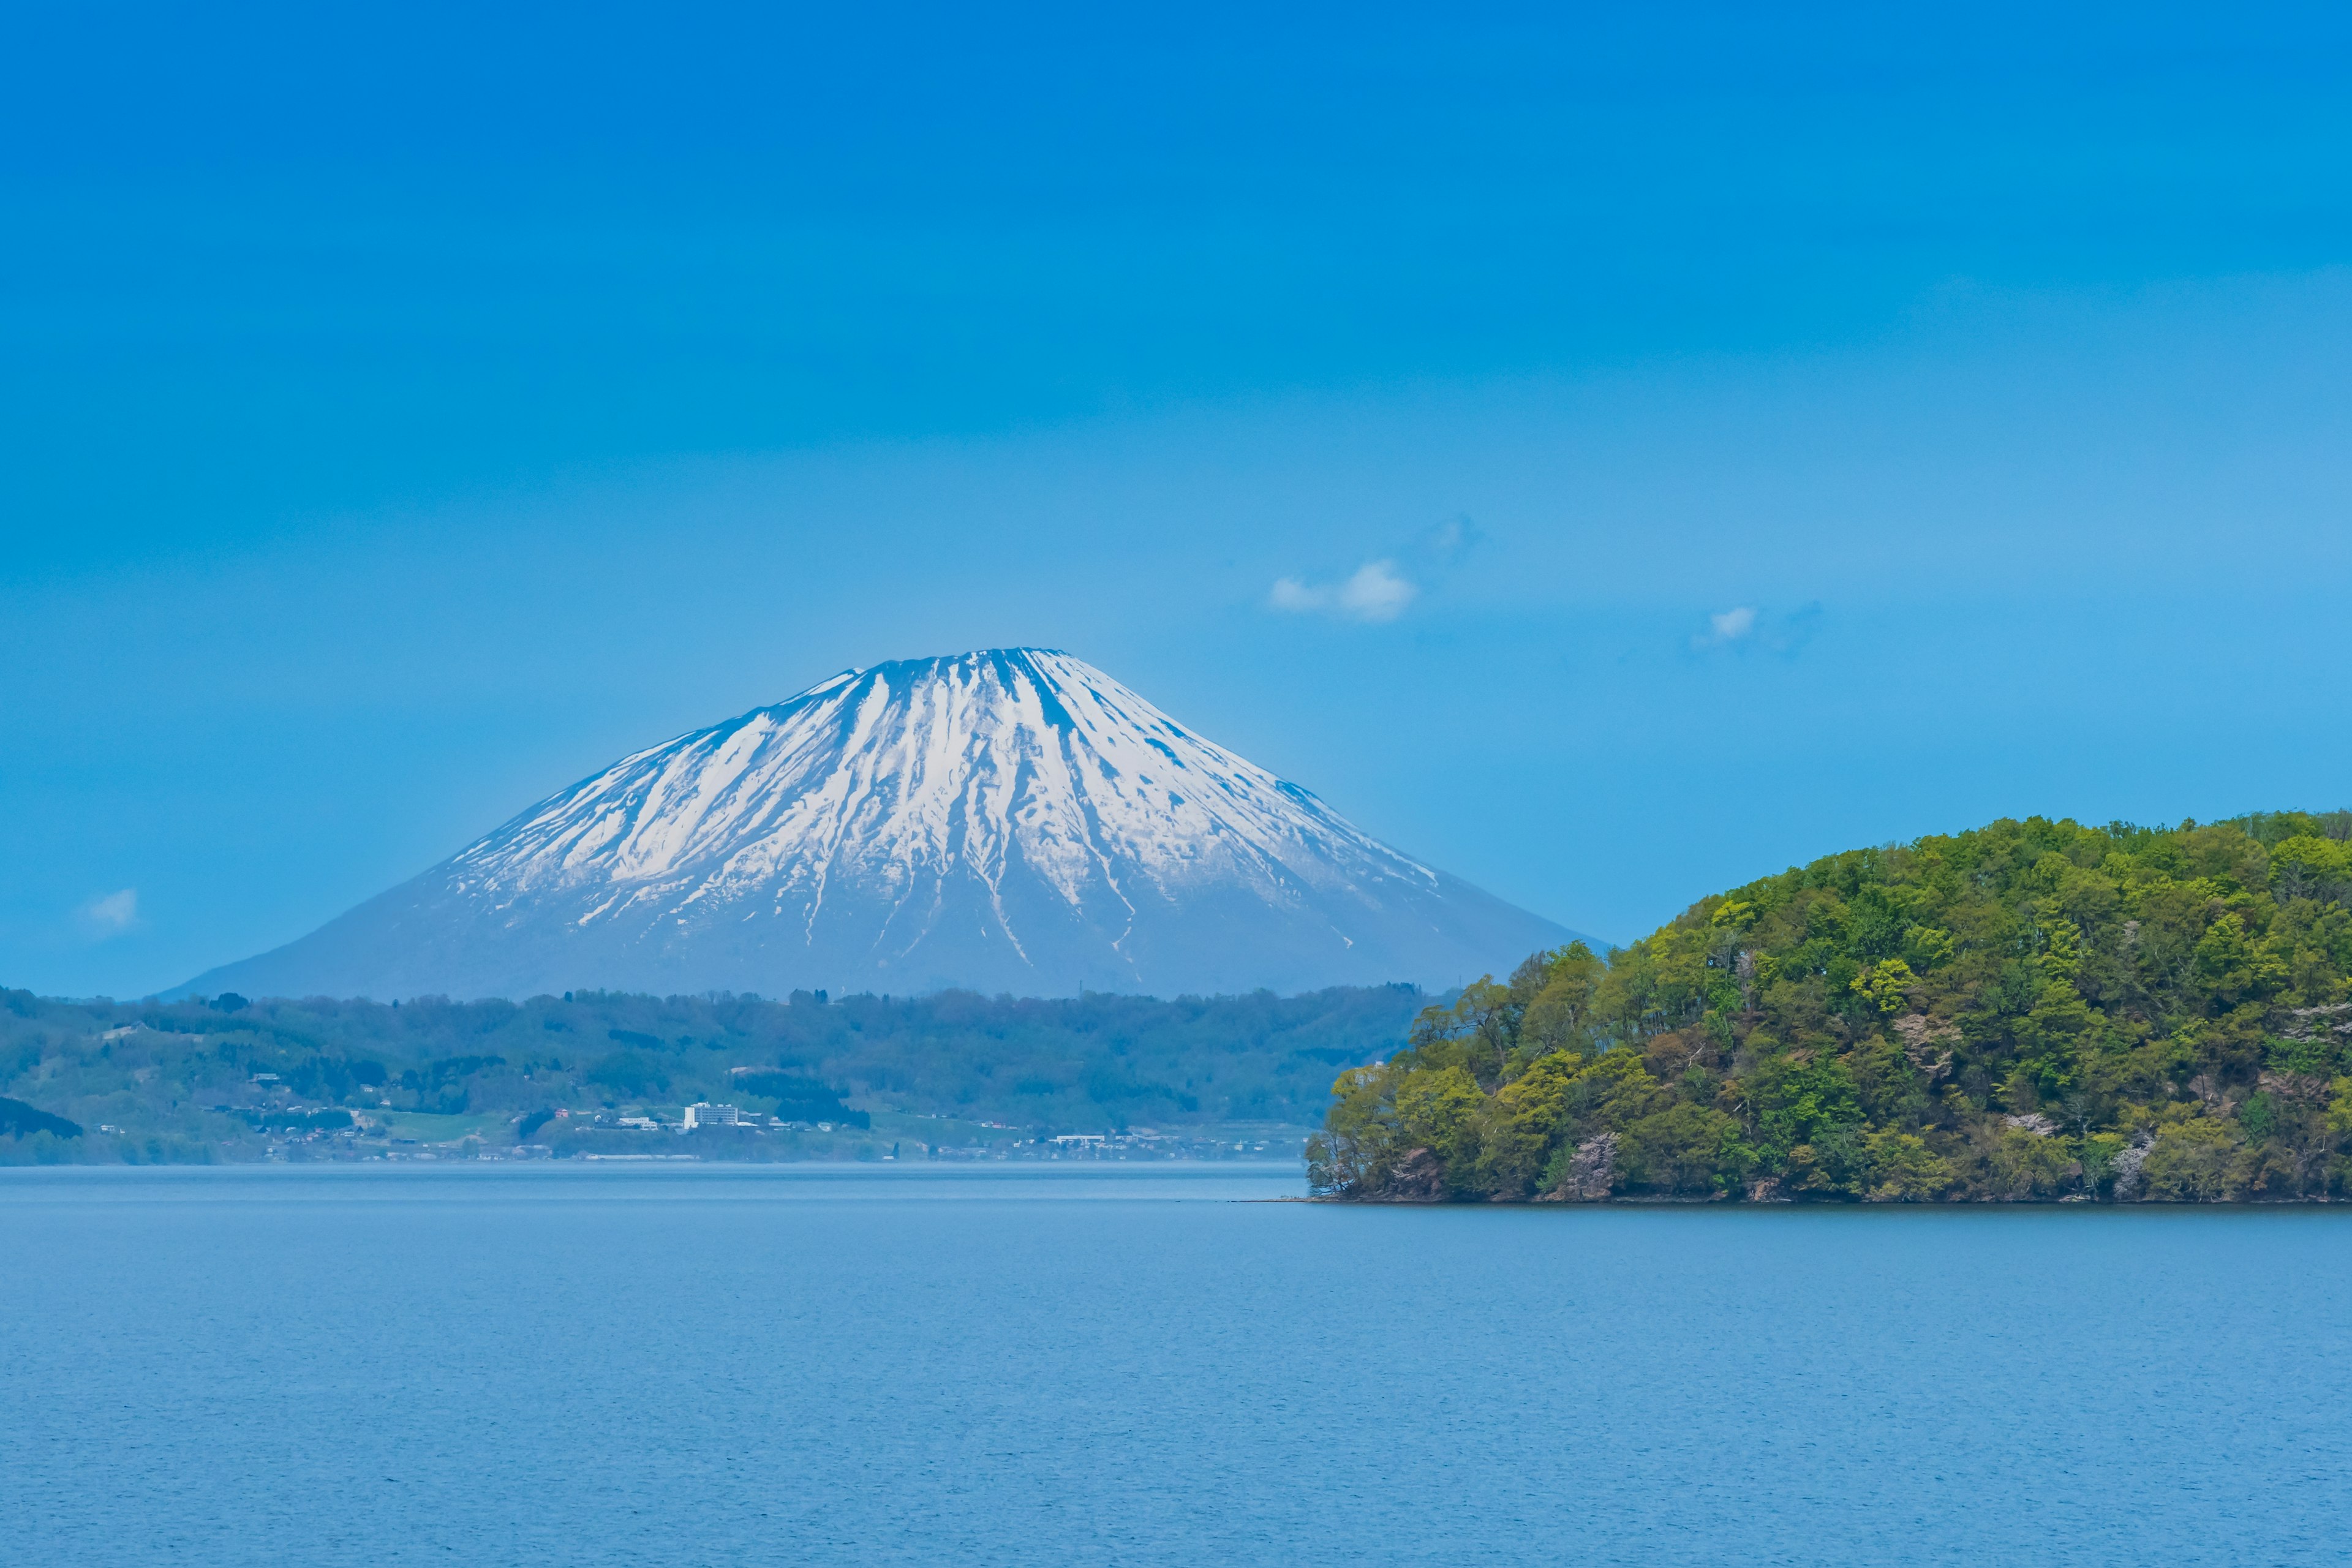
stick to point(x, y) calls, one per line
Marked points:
point(1376, 591)
point(1745, 628)
point(1733, 625)
point(1290, 594)
point(111, 914)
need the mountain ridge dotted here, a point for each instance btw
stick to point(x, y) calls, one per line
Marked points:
point(1010, 819)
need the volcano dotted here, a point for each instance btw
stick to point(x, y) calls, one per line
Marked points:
point(1007, 821)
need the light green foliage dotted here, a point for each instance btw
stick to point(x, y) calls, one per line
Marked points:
point(1885, 985)
point(1527, 1117)
point(1438, 1111)
point(2308, 867)
point(1903, 1170)
point(1560, 989)
point(2031, 1011)
point(2016, 1164)
point(2192, 1161)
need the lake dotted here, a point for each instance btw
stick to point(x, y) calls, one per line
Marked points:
point(1134, 1365)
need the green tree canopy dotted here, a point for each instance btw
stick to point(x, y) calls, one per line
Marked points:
point(2033, 1010)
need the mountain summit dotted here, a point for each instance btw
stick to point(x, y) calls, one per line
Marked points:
point(1008, 821)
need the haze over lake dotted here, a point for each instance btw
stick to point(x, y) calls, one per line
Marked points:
point(1133, 1364)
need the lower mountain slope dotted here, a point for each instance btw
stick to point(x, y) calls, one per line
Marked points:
point(2033, 1010)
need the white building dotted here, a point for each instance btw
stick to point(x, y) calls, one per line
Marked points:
point(702, 1113)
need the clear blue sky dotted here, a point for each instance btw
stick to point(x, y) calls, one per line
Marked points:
point(1609, 455)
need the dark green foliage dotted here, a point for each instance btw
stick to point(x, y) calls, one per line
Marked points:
point(2034, 1010)
point(795, 1097)
point(18, 1120)
point(334, 1078)
point(629, 1073)
point(445, 1085)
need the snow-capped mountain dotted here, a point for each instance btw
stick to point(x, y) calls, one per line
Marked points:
point(1012, 820)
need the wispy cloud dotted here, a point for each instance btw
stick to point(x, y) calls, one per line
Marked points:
point(1451, 541)
point(1731, 625)
point(111, 914)
point(1745, 626)
point(1376, 591)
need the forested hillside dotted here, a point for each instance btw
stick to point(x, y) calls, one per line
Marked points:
point(2034, 1010)
point(228, 1078)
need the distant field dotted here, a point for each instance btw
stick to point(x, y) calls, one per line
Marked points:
point(425, 1129)
point(943, 1129)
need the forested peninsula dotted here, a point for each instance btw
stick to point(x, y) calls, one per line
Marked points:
point(2034, 1011)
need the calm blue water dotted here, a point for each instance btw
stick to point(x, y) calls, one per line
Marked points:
point(559, 1365)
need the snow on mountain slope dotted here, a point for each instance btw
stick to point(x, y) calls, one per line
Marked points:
point(1009, 820)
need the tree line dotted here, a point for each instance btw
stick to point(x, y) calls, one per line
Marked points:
point(203, 1078)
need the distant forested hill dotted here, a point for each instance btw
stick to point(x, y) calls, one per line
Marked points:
point(2035, 1010)
point(217, 1078)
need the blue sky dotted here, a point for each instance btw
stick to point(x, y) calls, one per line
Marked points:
point(1611, 456)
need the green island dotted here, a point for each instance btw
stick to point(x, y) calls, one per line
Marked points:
point(2034, 1011)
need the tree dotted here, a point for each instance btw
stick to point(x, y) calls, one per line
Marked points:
point(1438, 1111)
point(1685, 1148)
point(1526, 1118)
point(2190, 1161)
point(1903, 1170)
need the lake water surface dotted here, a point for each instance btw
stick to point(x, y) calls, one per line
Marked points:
point(1125, 1365)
